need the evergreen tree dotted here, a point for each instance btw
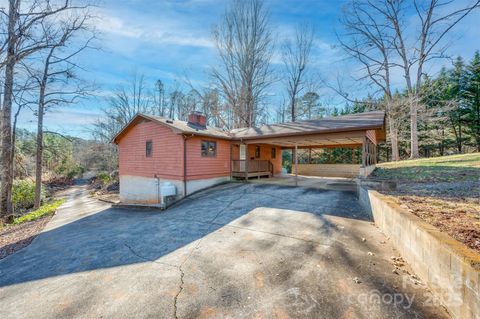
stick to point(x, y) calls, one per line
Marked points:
point(455, 95)
point(472, 95)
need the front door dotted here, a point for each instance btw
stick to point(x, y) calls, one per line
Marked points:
point(243, 157)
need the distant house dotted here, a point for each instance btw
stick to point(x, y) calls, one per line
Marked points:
point(156, 151)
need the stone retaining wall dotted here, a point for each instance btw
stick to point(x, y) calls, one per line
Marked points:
point(448, 267)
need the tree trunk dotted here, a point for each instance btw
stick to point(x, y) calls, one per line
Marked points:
point(442, 143)
point(460, 136)
point(292, 106)
point(413, 130)
point(39, 155)
point(41, 113)
point(394, 140)
point(14, 139)
point(6, 165)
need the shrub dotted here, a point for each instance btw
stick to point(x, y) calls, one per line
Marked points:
point(44, 210)
point(104, 178)
point(69, 169)
point(23, 195)
point(75, 171)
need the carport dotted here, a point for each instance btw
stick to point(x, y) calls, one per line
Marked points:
point(358, 131)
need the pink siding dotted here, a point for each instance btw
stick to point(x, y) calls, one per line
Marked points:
point(265, 154)
point(167, 152)
point(199, 167)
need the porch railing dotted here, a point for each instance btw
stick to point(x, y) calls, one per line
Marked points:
point(252, 166)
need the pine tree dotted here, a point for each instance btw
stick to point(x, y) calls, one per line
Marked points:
point(456, 95)
point(472, 94)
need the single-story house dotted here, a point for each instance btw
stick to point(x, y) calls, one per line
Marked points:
point(188, 156)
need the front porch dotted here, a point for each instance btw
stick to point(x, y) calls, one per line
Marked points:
point(255, 160)
point(251, 168)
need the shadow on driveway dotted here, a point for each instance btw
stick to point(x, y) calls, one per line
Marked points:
point(116, 237)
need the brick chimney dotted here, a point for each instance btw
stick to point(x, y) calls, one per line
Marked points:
point(197, 119)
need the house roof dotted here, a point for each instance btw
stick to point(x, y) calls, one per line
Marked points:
point(177, 126)
point(185, 127)
point(353, 122)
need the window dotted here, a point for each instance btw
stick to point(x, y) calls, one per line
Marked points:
point(274, 153)
point(209, 149)
point(148, 149)
point(257, 151)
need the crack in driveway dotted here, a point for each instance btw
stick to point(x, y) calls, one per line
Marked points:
point(182, 273)
point(179, 268)
point(211, 223)
point(175, 299)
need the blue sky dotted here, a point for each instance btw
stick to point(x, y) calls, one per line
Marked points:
point(172, 38)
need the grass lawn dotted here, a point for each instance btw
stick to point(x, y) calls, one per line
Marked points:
point(436, 169)
point(443, 191)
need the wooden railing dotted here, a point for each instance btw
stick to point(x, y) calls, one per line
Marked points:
point(253, 166)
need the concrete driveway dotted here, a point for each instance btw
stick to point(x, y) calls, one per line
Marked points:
point(234, 251)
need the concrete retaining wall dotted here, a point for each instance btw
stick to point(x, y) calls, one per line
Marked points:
point(365, 171)
point(448, 267)
point(329, 170)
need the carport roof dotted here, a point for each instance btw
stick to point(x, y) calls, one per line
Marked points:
point(354, 122)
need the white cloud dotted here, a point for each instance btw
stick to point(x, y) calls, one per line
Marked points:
point(157, 31)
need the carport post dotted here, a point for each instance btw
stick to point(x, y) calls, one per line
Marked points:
point(296, 165)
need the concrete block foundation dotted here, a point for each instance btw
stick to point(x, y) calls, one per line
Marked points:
point(146, 190)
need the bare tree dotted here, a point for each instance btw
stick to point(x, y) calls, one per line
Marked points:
point(436, 19)
point(282, 111)
point(159, 98)
point(368, 39)
point(104, 128)
point(57, 81)
point(127, 101)
point(211, 104)
point(295, 57)
point(22, 37)
point(244, 44)
point(213, 108)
